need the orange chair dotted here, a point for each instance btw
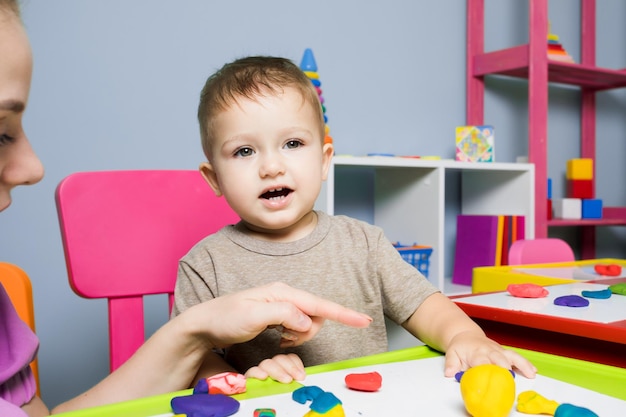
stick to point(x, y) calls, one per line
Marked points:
point(17, 285)
point(540, 251)
point(123, 233)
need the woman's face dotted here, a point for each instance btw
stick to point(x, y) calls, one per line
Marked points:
point(18, 163)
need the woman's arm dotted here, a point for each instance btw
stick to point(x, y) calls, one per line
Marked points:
point(171, 358)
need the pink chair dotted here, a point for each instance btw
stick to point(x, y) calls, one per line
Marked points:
point(539, 251)
point(123, 233)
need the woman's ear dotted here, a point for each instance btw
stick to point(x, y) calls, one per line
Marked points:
point(208, 173)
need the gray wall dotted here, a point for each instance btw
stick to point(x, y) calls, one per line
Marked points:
point(116, 86)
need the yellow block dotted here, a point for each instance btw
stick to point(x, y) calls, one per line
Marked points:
point(580, 169)
point(497, 278)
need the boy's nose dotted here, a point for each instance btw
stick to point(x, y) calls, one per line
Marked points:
point(271, 166)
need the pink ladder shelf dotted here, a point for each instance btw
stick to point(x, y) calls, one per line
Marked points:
point(531, 62)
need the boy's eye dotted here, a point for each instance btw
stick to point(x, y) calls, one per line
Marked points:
point(292, 144)
point(244, 152)
point(6, 139)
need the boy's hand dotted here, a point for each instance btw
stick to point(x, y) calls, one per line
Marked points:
point(282, 368)
point(468, 349)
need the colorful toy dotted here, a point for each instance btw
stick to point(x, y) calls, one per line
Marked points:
point(322, 402)
point(212, 405)
point(475, 143)
point(488, 391)
point(309, 67)
point(527, 290)
point(579, 177)
point(264, 412)
point(227, 383)
point(530, 402)
point(368, 382)
point(556, 52)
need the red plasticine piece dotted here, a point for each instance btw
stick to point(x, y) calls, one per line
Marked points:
point(527, 290)
point(369, 382)
point(609, 270)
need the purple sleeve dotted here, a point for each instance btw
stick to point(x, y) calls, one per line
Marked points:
point(18, 347)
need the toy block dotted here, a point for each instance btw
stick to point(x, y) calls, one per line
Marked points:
point(475, 143)
point(567, 208)
point(592, 208)
point(549, 188)
point(549, 209)
point(580, 188)
point(580, 169)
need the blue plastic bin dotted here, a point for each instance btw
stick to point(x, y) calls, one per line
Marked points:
point(416, 255)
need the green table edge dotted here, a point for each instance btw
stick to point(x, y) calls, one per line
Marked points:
point(605, 379)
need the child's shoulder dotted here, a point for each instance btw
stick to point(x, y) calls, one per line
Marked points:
point(340, 221)
point(214, 240)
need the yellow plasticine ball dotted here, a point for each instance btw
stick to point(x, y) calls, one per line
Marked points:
point(488, 391)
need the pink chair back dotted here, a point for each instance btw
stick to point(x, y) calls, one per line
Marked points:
point(123, 233)
point(539, 251)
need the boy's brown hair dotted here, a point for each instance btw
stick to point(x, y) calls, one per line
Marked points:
point(250, 78)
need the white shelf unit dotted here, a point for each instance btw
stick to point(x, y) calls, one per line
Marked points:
point(409, 200)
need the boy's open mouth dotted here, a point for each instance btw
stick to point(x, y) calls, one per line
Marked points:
point(276, 193)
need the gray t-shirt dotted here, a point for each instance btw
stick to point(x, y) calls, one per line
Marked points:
point(344, 260)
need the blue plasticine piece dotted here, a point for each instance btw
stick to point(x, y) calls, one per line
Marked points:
point(315, 82)
point(321, 401)
point(569, 410)
point(324, 402)
point(600, 294)
point(304, 394)
point(308, 61)
point(205, 405)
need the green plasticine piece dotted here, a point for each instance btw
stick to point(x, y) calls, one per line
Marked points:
point(618, 288)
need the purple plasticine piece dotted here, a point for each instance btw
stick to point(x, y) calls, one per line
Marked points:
point(571, 301)
point(205, 405)
point(600, 294)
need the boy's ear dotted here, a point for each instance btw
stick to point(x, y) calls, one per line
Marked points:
point(209, 174)
point(327, 154)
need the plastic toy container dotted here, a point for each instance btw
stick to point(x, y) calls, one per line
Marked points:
point(416, 255)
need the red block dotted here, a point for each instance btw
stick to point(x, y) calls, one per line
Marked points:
point(580, 189)
point(549, 209)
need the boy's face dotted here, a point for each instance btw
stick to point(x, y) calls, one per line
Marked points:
point(269, 162)
point(18, 163)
